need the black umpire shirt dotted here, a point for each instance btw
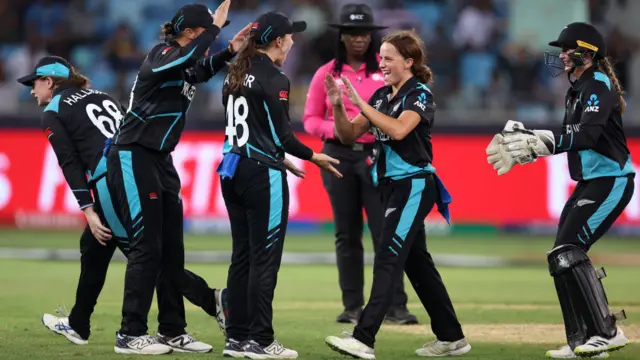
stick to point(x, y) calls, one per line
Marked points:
point(163, 91)
point(399, 159)
point(592, 134)
point(77, 122)
point(258, 124)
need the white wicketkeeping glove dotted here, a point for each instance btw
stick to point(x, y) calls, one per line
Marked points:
point(498, 156)
point(526, 145)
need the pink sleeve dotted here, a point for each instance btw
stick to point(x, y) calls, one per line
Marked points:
point(315, 109)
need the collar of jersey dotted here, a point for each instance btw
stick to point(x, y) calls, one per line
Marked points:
point(60, 89)
point(404, 90)
point(261, 57)
point(586, 75)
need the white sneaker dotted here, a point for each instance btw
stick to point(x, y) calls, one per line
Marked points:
point(598, 344)
point(221, 309)
point(142, 345)
point(60, 326)
point(438, 348)
point(348, 345)
point(185, 344)
point(565, 352)
point(275, 350)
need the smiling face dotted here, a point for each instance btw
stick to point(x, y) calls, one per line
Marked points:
point(395, 68)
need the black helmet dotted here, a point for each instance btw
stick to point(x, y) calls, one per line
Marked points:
point(582, 37)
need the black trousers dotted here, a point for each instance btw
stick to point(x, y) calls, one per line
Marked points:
point(146, 192)
point(349, 196)
point(592, 209)
point(403, 246)
point(257, 201)
point(94, 263)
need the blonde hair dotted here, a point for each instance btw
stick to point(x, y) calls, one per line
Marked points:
point(604, 64)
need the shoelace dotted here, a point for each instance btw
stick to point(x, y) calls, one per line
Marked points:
point(62, 310)
point(346, 333)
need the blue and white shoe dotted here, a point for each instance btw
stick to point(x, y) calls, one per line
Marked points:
point(60, 326)
point(275, 350)
point(221, 309)
point(142, 345)
point(234, 349)
point(185, 344)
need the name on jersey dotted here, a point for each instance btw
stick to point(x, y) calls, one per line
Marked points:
point(248, 80)
point(188, 91)
point(74, 98)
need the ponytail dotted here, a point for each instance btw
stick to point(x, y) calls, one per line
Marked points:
point(422, 72)
point(168, 30)
point(604, 64)
point(238, 69)
point(75, 79)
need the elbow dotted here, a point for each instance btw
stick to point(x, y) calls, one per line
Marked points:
point(398, 134)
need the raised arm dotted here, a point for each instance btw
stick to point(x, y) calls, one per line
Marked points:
point(345, 129)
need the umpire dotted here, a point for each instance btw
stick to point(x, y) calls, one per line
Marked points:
point(357, 59)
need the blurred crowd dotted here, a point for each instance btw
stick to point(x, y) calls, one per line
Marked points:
point(477, 65)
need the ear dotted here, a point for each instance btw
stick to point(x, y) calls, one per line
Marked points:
point(408, 63)
point(49, 82)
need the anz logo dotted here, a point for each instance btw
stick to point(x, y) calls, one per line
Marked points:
point(592, 104)
point(188, 91)
point(421, 102)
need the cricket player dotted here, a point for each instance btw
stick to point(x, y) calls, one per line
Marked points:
point(77, 121)
point(401, 115)
point(254, 183)
point(145, 183)
point(593, 137)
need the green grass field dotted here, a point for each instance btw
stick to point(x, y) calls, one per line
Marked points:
point(507, 313)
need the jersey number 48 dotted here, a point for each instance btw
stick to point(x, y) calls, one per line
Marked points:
point(237, 112)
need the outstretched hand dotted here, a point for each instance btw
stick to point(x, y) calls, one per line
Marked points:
point(333, 91)
point(238, 40)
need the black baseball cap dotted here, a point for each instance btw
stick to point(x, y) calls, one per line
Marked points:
point(271, 25)
point(192, 16)
point(47, 66)
point(581, 35)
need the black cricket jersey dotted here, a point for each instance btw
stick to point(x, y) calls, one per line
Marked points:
point(399, 159)
point(258, 124)
point(77, 123)
point(163, 90)
point(593, 134)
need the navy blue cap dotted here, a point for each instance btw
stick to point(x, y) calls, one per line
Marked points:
point(271, 25)
point(193, 16)
point(47, 66)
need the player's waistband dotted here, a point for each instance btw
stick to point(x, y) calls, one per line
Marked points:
point(355, 146)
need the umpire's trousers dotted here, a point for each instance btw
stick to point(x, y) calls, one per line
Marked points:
point(592, 209)
point(403, 246)
point(257, 201)
point(348, 195)
point(146, 192)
